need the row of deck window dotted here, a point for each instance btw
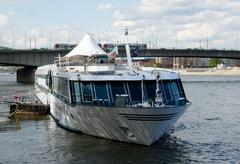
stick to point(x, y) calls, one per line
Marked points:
point(106, 92)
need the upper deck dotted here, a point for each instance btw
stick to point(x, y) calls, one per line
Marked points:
point(105, 81)
point(105, 72)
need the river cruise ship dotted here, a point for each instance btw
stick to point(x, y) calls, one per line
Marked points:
point(88, 93)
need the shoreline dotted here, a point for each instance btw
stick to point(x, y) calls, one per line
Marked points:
point(234, 71)
point(209, 72)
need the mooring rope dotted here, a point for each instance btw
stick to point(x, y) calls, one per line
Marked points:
point(12, 114)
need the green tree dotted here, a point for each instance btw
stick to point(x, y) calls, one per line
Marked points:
point(213, 62)
point(157, 64)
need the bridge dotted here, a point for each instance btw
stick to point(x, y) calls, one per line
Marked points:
point(31, 59)
point(194, 53)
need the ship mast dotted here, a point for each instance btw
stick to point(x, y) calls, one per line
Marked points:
point(129, 59)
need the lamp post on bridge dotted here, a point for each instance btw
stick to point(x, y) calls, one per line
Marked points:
point(30, 43)
point(13, 39)
point(236, 43)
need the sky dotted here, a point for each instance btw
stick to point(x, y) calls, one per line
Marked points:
point(208, 24)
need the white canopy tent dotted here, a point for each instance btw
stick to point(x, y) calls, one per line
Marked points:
point(87, 47)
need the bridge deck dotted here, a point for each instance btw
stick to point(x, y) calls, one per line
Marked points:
point(36, 58)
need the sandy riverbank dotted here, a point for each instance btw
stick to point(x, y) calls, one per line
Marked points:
point(205, 71)
point(231, 71)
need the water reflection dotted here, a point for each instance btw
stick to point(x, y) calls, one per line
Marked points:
point(80, 148)
point(14, 123)
point(9, 125)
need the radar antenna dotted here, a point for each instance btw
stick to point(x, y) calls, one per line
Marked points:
point(129, 59)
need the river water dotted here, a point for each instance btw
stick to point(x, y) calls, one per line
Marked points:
point(209, 131)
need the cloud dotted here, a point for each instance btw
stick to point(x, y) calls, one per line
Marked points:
point(105, 7)
point(198, 31)
point(11, 13)
point(191, 21)
point(3, 20)
point(124, 23)
point(118, 14)
point(43, 37)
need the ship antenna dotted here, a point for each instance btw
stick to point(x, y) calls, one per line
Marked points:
point(59, 60)
point(129, 59)
point(142, 87)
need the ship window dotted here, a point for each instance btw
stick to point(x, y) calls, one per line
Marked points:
point(72, 92)
point(135, 91)
point(174, 89)
point(117, 89)
point(180, 88)
point(86, 91)
point(167, 90)
point(61, 86)
point(101, 90)
point(46, 82)
point(150, 87)
point(64, 86)
point(77, 92)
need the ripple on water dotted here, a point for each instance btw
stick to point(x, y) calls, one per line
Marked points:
point(180, 126)
point(213, 119)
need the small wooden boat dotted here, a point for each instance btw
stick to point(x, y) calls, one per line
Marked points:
point(28, 109)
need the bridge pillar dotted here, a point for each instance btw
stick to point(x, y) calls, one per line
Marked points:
point(26, 75)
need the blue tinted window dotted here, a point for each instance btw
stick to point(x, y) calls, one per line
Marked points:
point(135, 91)
point(117, 89)
point(86, 91)
point(77, 92)
point(101, 90)
point(167, 90)
point(180, 88)
point(174, 89)
point(60, 86)
point(150, 87)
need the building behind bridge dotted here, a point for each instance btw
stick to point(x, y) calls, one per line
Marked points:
point(181, 62)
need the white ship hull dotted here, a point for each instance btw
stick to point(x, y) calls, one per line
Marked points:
point(134, 125)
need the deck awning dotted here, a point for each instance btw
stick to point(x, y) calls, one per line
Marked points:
point(87, 47)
